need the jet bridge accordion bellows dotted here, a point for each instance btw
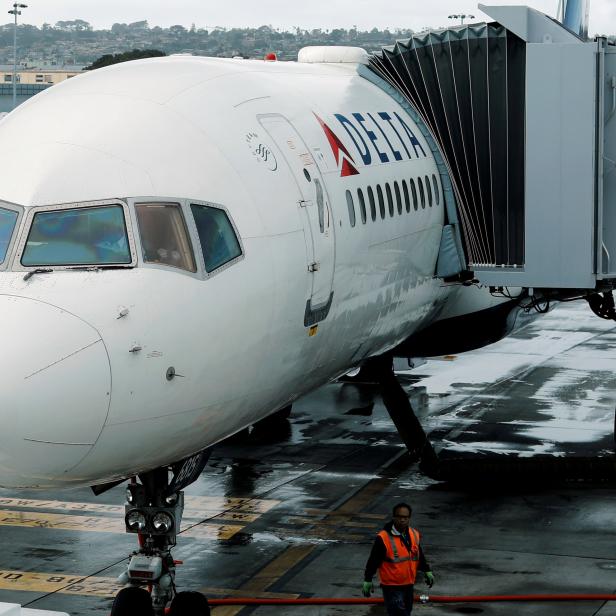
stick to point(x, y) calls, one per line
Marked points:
point(468, 85)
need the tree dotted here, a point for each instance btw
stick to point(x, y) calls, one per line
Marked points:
point(118, 28)
point(75, 25)
point(116, 58)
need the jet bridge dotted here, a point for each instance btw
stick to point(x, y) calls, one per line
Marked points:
point(523, 114)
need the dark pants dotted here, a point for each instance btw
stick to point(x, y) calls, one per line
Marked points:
point(398, 600)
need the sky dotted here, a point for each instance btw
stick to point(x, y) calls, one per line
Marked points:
point(287, 14)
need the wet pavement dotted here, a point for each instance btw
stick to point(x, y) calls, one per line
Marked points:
point(290, 510)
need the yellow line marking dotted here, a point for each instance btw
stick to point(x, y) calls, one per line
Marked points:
point(246, 505)
point(331, 522)
point(197, 506)
point(326, 512)
point(29, 581)
point(65, 584)
point(268, 576)
point(229, 592)
point(232, 515)
point(275, 569)
point(210, 531)
point(31, 519)
point(31, 503)
point(294, 555)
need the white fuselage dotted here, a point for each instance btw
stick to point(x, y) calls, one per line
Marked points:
point(84, 393)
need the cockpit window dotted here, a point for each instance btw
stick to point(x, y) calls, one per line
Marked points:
point(164, 236)
point(78, 236)
point(8, 219)
point(217, 236)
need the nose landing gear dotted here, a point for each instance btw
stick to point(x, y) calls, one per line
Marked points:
point(153, 511)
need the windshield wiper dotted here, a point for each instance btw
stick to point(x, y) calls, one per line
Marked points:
point(38, 270)
point(85, 268)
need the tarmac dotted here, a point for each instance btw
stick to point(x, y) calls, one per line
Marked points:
point(290, 510)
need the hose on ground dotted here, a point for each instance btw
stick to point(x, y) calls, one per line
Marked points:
point(418, 599)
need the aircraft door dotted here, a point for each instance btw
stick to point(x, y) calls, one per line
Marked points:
point(316, 213)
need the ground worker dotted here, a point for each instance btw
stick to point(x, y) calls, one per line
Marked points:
point(397, 555)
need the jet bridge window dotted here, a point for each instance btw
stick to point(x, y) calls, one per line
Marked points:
point(8, 218)
point(78, 236)
point(219, 242)
point(164, 236)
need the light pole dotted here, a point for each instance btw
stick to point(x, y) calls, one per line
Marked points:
point(461, 18)
point(15, 12)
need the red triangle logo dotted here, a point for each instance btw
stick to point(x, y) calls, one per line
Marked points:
point(344, 160)
point(347, 169)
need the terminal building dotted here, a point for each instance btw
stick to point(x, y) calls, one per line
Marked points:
point(33, 79)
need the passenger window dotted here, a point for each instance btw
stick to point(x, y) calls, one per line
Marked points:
point(372, 203)
point(407, 200)
point(390, 199)
point(398, 197)
point(429, 191)
point(78, 236)
point(414, 192)
point(320, 205)
point(164, 237)
point(218, 240)
point(362, 205)
point(8, 218)
point(437, 195)
point(422, 194)
point(351, 207)
point(379, 193)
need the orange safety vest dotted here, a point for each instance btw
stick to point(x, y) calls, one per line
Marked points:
point(399, 568)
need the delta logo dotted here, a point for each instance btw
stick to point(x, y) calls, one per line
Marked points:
point(344, 160)
point(377, 138)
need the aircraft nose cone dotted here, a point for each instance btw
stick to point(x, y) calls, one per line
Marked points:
point(55, 387)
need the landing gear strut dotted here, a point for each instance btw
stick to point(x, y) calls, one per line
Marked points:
point(154, 515)
point(401, 412)
point(153, 511)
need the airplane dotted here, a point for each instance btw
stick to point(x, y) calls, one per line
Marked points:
point(188, 258)
point(190, 244)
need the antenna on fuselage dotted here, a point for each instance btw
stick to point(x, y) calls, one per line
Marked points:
point(574, 15)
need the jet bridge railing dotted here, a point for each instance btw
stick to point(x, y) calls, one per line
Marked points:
point(523, 111)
